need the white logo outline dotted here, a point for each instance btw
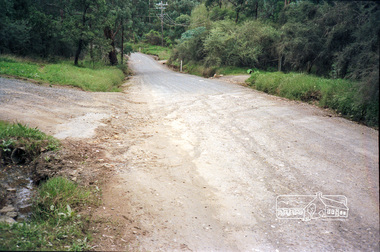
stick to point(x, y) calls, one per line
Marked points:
point(311, 207)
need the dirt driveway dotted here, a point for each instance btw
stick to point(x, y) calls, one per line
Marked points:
point(202, 165)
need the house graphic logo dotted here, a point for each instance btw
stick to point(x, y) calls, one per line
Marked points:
point(311, 207)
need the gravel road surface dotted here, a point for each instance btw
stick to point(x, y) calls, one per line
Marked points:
point(205, 165)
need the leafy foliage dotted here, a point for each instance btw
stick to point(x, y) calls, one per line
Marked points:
point(67, 28)
point(338, 40)
point(229, 44)
point(153, 38)
point(191, 47)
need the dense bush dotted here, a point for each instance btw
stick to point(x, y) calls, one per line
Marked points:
point(153, 37)
point(191, 45)
point(337, 40)
point(248, 44)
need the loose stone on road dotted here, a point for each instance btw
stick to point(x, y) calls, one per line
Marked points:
point(199, 163)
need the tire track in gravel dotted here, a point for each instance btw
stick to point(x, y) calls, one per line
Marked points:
point(218, 155)
point(196, 164)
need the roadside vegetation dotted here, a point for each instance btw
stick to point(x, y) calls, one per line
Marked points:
point(58, 220)
point(321, 51)
point(325, 39)
point(163, 53)
point(344, 96)
point(30, 141)
point(98, 78)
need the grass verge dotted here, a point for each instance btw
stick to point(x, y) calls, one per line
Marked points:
point(56, 222)
point(343, 96)
point(163, 53)
point(198, 69)
point(231, 70)
point(31, 140)
point(99, 79)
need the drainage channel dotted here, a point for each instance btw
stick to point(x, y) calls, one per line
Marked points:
point(16, 193)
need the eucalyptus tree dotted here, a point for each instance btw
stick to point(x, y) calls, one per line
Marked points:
point(82, 19)
point(117, 19)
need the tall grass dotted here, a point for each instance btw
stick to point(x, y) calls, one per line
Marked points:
point(100, 79)
point(341, 95)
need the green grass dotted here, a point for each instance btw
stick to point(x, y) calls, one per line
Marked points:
point(198, 69)
point(99, 79)
point(193, 68)
point(163, 53)
point(55, 223)
point(14, 135)
point(341, 95)
point(231, 70)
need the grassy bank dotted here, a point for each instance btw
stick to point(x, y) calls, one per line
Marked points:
point(56, 222)
point(100, 78)
point(31, 140)
point(343, 96)
point(163, 53)
point(199, 70)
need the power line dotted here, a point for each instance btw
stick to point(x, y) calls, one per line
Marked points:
point(172, 22)
point(162, 6)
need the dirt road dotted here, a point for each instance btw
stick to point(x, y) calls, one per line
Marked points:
point(198, 164)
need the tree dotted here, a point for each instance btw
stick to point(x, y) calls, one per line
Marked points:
point(117, 19)
point(81, 16)
point(239, 6)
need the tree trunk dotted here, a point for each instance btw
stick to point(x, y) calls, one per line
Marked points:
point(79, 50)
point(92, 53)
point(112, 55)
point(237, 15)
point(81, 41)
point(256, 8)
point(122, 43)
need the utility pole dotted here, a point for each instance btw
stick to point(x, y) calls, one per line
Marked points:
point(161, 6)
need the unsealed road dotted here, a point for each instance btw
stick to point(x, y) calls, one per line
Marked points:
point(200, 164)
point(218, 155)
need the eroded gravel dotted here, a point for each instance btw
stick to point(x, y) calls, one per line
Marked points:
point(197, 164)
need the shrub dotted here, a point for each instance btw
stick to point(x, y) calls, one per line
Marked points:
point(153, 37)
point(248, 44)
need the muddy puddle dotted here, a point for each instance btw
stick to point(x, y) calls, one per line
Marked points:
point(16, 192)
